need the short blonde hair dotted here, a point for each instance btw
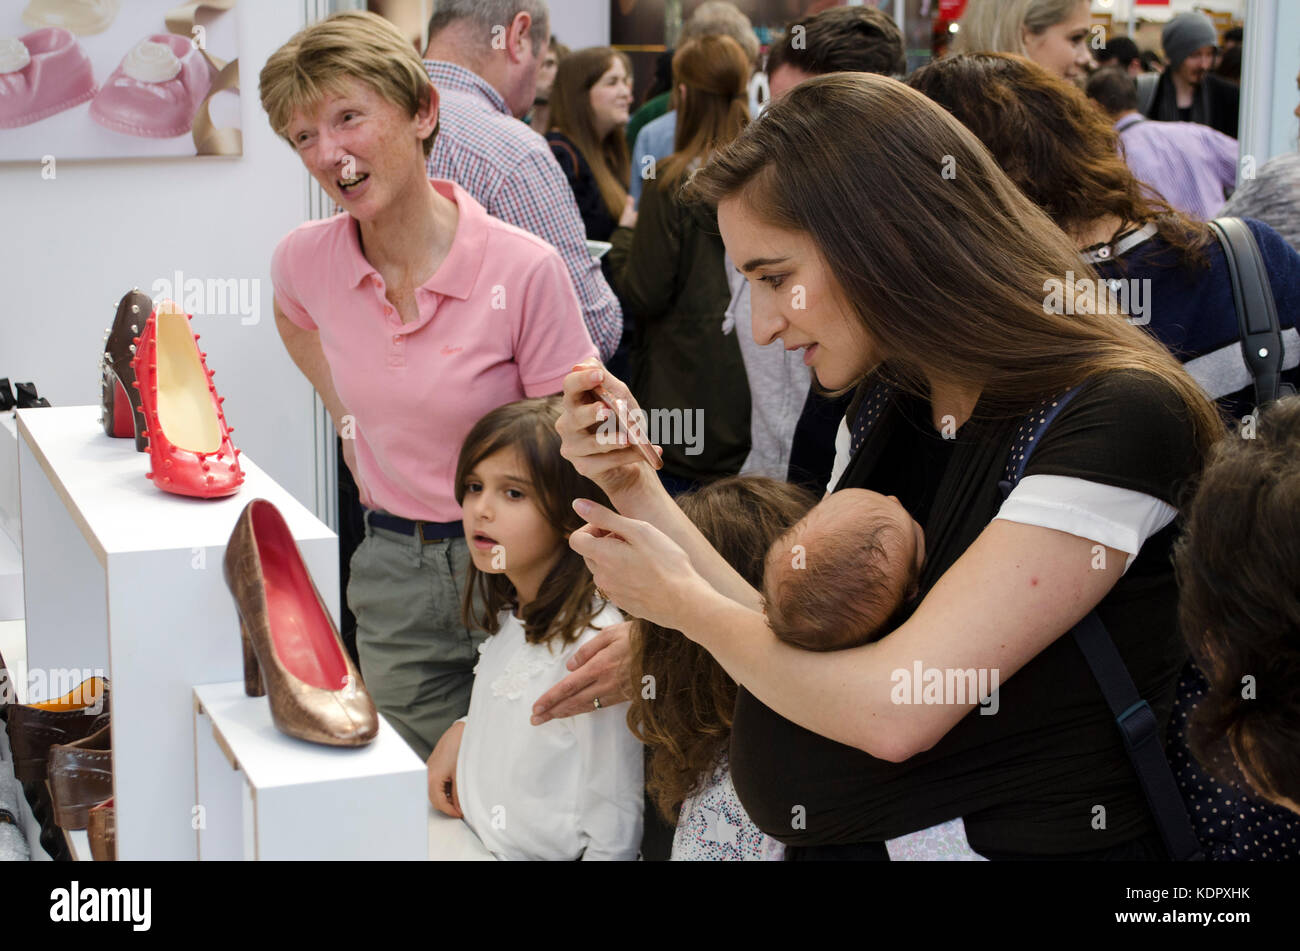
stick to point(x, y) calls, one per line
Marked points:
point(318, 59)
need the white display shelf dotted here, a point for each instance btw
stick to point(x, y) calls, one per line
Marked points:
point(265, 795)
point(451, 840)
point(11, 579)
point(124, 578)
point(9, 524)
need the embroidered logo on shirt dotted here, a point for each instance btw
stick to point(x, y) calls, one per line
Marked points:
point(449, 351)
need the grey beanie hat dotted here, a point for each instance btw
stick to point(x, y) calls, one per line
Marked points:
point(1185, 34)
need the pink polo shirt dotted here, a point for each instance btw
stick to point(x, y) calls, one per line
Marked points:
point(498, 321)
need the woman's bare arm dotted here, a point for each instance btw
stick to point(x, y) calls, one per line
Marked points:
point(1015, 591)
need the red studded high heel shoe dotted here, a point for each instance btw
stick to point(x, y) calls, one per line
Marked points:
point(190, 452)
point(119, 399)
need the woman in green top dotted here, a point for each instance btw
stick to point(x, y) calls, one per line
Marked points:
point(686, 368)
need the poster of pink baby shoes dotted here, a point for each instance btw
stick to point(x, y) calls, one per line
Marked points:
point(96, 79)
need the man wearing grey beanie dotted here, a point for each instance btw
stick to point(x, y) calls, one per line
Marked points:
point(1187, 91)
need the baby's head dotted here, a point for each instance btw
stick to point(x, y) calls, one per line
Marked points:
point(839, 575)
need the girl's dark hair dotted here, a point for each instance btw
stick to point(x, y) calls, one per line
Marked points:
point(946, 274)
point(1059, 148)
point(687, 723)
point(1239, 605)
point(564, 605)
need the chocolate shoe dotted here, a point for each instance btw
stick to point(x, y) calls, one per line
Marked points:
point(101, 829)
point(292, 649)
point(80, 775)
point(119, 396)
point(35, 727)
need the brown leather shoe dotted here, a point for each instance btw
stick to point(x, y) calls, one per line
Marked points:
point(291, 648)
point(80, 775)
point(35, 727)
point(101, 829)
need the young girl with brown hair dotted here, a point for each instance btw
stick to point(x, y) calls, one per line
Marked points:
point(686, 720)
point(566, 789)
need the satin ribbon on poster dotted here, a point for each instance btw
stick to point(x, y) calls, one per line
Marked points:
point(208, 139)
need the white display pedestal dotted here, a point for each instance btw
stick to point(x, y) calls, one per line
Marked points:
point(266, 795)
point(122, 577)
point(9, 523)
point(11, 562)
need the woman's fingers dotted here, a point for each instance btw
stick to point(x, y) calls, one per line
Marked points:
point(600, 516)
point(598, 672)
point(594, 646)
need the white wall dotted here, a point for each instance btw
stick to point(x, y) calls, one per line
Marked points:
point(580, 23)
point(71, 246)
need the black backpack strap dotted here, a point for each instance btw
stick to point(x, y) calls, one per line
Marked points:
point(1141, 734)
point(1257, 321)
point(1137, 722)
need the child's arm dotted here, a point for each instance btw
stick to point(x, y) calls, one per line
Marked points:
point(444, 792)
point(612, 794)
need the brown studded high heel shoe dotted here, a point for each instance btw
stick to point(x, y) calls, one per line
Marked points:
point(119, 397)
point(292, 650)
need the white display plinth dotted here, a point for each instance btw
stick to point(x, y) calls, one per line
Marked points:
point(11, 562)
point(9, 524)
point(451, 840)
point(266, 795)
point(123, 577)
point(11, 579)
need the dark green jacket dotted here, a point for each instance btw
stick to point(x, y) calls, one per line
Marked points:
point(671, 278)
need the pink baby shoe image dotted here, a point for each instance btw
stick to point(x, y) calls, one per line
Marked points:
point(83, 17)
point(43, 73)
point(156, 90)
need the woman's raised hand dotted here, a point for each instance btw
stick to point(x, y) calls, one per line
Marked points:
point(638, 567)
point(588, 434)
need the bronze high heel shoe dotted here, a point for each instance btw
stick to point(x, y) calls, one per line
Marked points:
point(292, 650)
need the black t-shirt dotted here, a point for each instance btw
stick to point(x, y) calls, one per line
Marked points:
point(1028, 779)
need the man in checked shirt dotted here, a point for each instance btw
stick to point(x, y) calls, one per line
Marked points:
point(483, 57)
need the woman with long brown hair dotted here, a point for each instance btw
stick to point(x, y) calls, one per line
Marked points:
point(589, 105)
point(837, 206)
point(1162, 269)
point(672, 278)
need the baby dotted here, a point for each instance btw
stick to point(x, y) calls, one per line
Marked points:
point(843, 571)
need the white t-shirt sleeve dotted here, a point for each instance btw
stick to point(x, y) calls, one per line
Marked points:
point(1117, 518)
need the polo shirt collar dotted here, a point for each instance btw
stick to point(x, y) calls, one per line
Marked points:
point(1129, 120)
point(459, 271)
point(446, 75)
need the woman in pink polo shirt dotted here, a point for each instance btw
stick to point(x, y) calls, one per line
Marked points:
point(413, 313)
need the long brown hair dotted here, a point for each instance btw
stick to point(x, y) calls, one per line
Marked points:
point(1242, 618)
point(946, 272)
point(571, 114)
point(715, 72)
point(564, 605)
point(1058, 147)
point(687, 722)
